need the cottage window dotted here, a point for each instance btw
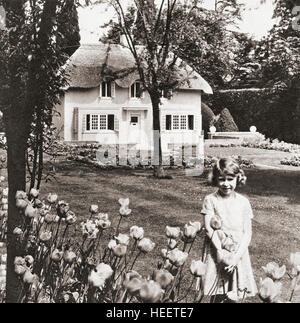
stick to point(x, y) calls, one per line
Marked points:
point(96, 122)
point(183, 122)
point(165, 94)
point(179, 122)
point(107, 89)
point(136, 90)
point(191, 122)
point(175, 122)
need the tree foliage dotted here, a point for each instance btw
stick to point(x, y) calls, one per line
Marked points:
point(68, 36)
point(31, 79)
point(203, 39)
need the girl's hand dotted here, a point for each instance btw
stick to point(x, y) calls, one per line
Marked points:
point(232, 263)
point(230, 268)
point(228, 258)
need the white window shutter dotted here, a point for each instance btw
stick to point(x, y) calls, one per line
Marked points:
point(129, 91)
point(197, 120)
point(113, 89)
point(75, 121)
point(100, 90)
point(83, 123)
point(163, 123)
point(116, 123)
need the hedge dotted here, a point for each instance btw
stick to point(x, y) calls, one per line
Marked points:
point(276, 114)
point(208, 118)
point(225, 122)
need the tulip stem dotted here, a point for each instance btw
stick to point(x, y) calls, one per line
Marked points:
point(55, 238)
point(98, 240)
point(117, 229)
point(136, 257)
point(244, 295)
point(63, 237)
point(188, 290)
point(198, 297)
point(215, 283)
point(292, 294)
point(21, 291)
point(171, 289)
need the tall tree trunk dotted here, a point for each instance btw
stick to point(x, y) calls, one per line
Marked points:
point(15, 120)
point(18, 117)
point(157, 152)
point(16, 181)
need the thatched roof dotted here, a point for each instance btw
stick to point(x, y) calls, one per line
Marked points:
point(92, 63)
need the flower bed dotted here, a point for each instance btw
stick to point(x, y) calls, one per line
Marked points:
point(224, 145)
point(88, 154)
point(58, 268)
point(292, 161)
point(261, 142)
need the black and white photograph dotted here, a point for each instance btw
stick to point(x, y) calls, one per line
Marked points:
point(150, 154)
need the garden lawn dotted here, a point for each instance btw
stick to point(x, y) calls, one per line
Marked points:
point(274, 195)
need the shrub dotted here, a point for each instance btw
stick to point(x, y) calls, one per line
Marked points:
point(291, 161)
point(260, 141)
point(225, 122)
point(209, 161)
point(208, 118)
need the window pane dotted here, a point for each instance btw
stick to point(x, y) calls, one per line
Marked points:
point(182, 122)
point(168, 122)
point(134, 120)
point(94, 121)
point(175, 122)
point(88, 118)
point(103, 121)
point(110, 122)
point(132, 90)
point(138, 89)
point(103, 89)
point(191, 122)
point(108, 85)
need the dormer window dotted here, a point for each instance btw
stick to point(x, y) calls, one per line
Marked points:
point(165, 94)
point(136, 90)
point(107, 89)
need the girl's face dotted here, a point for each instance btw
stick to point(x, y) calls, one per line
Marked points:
point(227, 184)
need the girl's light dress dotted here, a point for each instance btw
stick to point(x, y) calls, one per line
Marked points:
point(233, 211)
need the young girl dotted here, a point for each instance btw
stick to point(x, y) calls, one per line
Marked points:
point(227, 216)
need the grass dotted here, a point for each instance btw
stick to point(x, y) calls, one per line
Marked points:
point(156, 203)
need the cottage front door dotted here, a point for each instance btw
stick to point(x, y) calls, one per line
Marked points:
point(134, 131)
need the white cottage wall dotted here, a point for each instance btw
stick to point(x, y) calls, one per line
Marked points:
point(87, 101)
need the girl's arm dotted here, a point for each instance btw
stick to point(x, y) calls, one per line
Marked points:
point(210, 232)
point(244, 244)
point(246, 239)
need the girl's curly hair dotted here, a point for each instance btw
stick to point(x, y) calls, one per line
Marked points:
point(227, 166)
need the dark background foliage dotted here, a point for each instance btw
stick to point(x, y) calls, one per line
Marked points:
point(275, 113)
